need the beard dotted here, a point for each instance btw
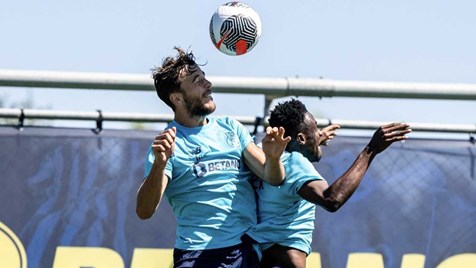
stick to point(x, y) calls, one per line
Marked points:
point(312, 153)
point(196, 108)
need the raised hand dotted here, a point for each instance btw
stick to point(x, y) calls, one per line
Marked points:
point(328, 133)
point(163, 145)
point(274, 142)
point(388, 134)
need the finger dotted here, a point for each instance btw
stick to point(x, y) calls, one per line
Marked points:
point(397, 138)
point(164, 138)
point(405, 131)
point(334, 127)
point(271, 130)
point(330, 136)
point(168, 135)
point(160, 148)
point(387, 126)
point(172, 132)
point(287, 139)
point(395, 126)
point(161, 145)
point(397, 133)
point(281, 132)
point(267, 130)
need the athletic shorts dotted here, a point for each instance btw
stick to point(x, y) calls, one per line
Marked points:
point(239, 256)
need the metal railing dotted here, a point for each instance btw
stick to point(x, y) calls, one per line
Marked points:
point(287, 86)
point(270, 87)
point(99, 116)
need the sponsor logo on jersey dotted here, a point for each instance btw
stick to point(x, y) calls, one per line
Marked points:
point(202, 168)
point(197, 152)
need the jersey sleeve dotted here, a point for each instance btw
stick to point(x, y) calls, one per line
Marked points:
point(150, 160)
point(298, 172)
point(243, 134)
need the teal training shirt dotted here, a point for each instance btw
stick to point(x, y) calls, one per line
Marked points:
point(209, 185)
point(284, 217)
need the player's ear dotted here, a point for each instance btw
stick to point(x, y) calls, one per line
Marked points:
point(176, 98)
point(301, 138)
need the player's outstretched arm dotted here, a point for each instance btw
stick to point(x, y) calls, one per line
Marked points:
point(334, 196)
point(152, 188)
point(266, 163)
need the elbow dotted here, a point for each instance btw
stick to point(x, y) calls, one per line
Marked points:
point(334, 201)
point(332, 208)
point(143, 214)
point(276, 182)
point(332, 205)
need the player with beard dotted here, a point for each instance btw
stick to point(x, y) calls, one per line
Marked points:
point(286, 213)
point(198, 164)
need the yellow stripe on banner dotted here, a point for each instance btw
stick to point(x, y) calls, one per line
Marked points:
point(12, 252)
point(97, 257)
point(100, 257)
point(152, 258)
point(367, 260)
point(413, 261)
point(313, 260)
point(467, 260)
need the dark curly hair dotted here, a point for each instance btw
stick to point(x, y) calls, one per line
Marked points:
point(290, 115)
point(166, 77)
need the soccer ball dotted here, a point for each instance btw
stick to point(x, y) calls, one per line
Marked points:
point(235, 28)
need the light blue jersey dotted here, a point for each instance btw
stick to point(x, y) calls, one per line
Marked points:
point(284, 217)
point(209, 185)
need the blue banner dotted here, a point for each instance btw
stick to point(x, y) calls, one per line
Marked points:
point(68, 200)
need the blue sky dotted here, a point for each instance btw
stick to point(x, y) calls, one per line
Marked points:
point(401, 41)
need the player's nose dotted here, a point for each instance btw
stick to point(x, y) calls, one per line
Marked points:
point(208, 84)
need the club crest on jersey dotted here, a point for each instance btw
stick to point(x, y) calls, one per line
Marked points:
point(232, 139)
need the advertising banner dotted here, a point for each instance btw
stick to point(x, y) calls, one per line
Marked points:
point(68, 196)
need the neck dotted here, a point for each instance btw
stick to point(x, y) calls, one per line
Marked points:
point(187, 120)
point(292, 147)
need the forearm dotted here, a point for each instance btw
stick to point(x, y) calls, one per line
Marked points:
point(150, 192)
point(274, 172)
point(343, 188)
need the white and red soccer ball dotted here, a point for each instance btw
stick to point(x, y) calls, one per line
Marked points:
point(235, 28)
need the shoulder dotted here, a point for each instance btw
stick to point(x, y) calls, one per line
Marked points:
point(229, 123)
point(295, 157)
point(225, 120)
point(297, 163)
